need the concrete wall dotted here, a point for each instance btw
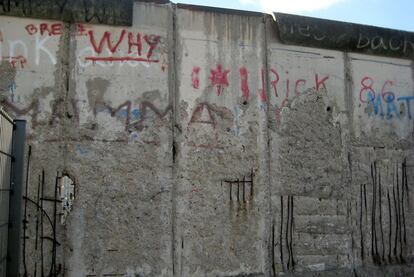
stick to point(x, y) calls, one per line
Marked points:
point(201, 145)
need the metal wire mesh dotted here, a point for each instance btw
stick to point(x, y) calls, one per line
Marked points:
point(6, 158)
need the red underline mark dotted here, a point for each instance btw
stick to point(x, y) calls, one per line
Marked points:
point(119, 59)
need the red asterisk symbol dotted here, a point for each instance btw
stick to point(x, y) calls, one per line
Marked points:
point(219, 78)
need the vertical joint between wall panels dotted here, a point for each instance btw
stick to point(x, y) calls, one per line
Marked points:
point(348, 91)
point(172, 57)
point(66, 51)
point(347, 81)
point(347, 152)
point(270, 264)
point(65, 55)
point(412, 78)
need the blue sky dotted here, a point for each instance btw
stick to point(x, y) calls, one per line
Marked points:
point(396, 14)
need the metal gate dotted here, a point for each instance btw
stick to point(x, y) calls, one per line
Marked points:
point(12, 135)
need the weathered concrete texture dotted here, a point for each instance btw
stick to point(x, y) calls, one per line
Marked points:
point(220, 172)
point(122, 217)
point(309, 164)
point(308, 182)
point(382, 205)
point(201, 145)
point(316, 153)
point(124, 226)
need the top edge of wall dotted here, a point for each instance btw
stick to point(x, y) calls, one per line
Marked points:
point(291, 29)
point(218, 10)
point(109, 12)
point(344, 36)
point(154, 1)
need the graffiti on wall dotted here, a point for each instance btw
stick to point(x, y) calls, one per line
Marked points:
point(15, 61)
point(104, 48)
point(380, 100)
point(241, 190)
point(20, 51)
point(283, 87)
point(103, 12)
point(140, 48)
point(321, 33)
point(209, 119)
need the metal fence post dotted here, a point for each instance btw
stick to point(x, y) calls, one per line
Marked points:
point(16, 195)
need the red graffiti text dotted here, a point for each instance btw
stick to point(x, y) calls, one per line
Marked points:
point(195, 80)
point(112, 43)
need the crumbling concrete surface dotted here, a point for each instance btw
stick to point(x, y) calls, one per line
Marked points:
point(195, 143)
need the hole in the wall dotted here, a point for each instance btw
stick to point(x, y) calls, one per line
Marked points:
point(67, 196)
point(245, 102)
point(328, 109)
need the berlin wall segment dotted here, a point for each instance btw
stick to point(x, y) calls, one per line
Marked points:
point(221, 110)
